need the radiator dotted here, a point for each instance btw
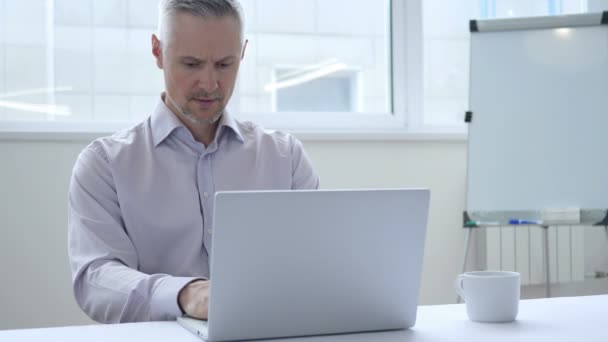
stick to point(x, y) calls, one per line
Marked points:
point(520, 249)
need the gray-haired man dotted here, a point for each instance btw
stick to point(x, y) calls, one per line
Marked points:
point(141, 201)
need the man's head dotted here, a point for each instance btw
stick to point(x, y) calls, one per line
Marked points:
point(199, 47)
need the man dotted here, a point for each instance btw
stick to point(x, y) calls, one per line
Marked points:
point(141, 201)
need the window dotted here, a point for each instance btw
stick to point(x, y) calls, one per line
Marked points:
point(295, 91)
point(299, 45)
point(77, 61)
point(386, 65)
point(89, 61)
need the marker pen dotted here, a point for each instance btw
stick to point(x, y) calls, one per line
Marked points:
point(521, 221)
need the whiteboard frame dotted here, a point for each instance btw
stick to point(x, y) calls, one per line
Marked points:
point(546, 22)
point(588, 216)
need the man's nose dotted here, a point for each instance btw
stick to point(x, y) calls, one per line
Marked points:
point(208, 80)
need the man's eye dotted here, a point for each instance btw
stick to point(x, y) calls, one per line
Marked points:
point(225, 65)
point(191, 65)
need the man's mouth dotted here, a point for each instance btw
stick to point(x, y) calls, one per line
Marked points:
point(205, 100)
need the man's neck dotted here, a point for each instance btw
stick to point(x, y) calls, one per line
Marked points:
point(203, 133)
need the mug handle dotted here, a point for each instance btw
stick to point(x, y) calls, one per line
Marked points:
point(458, 286)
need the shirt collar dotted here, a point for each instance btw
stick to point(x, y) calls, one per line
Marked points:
point(228, 121)
point(164, 122)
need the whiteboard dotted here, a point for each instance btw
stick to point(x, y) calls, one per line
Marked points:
point(538, 137)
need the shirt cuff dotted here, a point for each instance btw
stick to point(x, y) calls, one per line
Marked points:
point(163, 303)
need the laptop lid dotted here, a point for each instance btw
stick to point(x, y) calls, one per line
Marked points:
point(297, 263)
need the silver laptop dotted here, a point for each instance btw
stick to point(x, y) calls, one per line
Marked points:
point(301, 263)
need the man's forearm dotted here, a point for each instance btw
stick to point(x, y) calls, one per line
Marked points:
point(110, 292)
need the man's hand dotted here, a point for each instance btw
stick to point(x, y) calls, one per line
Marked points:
point(194, 299)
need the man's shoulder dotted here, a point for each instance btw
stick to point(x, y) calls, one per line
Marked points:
point(128, 140)
point(252, 131)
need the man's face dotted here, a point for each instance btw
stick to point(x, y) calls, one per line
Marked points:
point(200, 58)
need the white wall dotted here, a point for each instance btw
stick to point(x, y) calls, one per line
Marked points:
point(35, 286)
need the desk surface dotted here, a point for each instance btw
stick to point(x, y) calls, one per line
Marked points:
point(555, 319)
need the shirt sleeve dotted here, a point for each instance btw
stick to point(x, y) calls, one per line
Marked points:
point(103, 259)
point(304, 176)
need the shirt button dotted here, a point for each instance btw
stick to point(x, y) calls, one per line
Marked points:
point(210, 231)
point(205, 194)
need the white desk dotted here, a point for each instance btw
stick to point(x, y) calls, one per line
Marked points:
point(554, 320)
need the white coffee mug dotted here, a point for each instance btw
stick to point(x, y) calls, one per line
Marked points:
point(490, 296)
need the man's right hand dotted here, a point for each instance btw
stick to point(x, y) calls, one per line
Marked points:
point(194, 299)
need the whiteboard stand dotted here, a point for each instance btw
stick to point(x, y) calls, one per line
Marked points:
point(547, 265)
point(589, 217)
point(467, 247)
point(547, 262)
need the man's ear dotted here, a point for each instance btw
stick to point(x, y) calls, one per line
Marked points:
point(157, 51)
point(244, 48)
